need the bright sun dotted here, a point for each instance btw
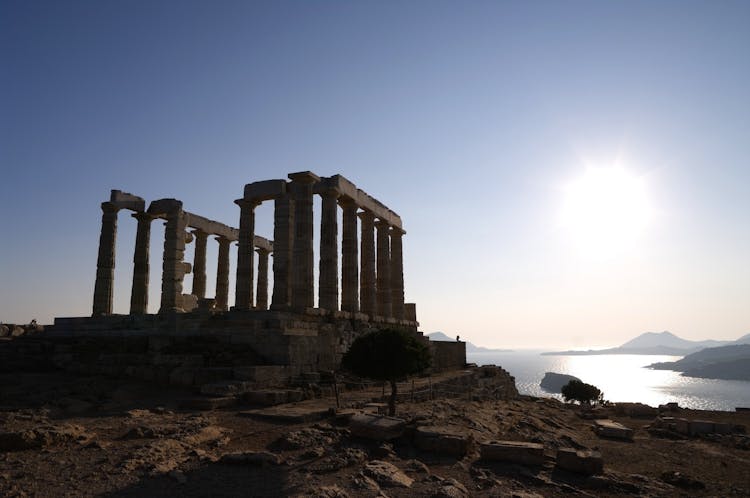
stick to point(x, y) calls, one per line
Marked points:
point(606, 211)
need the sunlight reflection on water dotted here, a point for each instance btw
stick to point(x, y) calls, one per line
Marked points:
point(621, 378)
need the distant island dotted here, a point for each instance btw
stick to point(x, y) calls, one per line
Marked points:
point(656, 343)
point(725, 362)
point(470, 347)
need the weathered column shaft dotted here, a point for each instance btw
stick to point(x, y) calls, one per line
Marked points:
point(328, 285)
point(283, 233)
point(139, 291)
point(262, 292)
point(397, 273)
point(303, 290)
point(173, 266)
point(384, 271)
point(243, 297)
point(105, 263)
point(367, 272)
point(199, 264)
point(349, 257)
point(222, 274)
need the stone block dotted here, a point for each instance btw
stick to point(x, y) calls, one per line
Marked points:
point(611, 429)
point(376, 427)
point(682, 425)
point(443, 440)
point(698, 427)
point(228, 388)
point(264, 190)
point(265, 397)
point(581, 462)
point(520, 452)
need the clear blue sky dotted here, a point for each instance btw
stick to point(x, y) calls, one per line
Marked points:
point(466, 118)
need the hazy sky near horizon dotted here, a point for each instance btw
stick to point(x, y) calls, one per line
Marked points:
point(472, 120)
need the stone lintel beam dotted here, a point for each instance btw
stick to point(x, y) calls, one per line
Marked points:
point(212, 227)
point(125, 200)
point(346, 188)
point(265, 190)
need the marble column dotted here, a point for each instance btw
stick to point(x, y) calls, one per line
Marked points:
point(328, 283)
point(283, 233)
point(199, 264)
point(384, 270)
point(303, 282)
point(349, 256)
point(105, 263)
point(367, 293)
point(139, 291)
point(243, 296)
point(397, 273)
point(222, 274)
point(262, 292)
point(173, 266)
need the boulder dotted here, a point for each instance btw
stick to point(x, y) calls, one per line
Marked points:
point(377, 427)
point(580, 461)
point(520, 452)
point(387, 474)
point(443, 440)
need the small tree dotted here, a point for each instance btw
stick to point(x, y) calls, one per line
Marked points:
point(388, 355)
point(575, 390)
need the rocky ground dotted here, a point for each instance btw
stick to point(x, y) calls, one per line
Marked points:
point(66, 435)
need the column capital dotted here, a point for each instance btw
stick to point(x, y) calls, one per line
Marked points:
point(110, 207)
point(347, 202)
point(382, 223)
point(330, 192)
point(262, 251)
point(248, 203)
point(199, 234)
point(397, 231)
point(366, 215)
point(143, 216)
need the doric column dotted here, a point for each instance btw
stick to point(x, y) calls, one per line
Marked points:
point(262, 292)
point(384, 271)
point(139, 292)
point(222, 274)
point(302, 264)
point(173, 266)
point(328, 283)
point(105, 263)
point(283, 233)
point(243, 296)
point(397, 273)
point(349, 256)
point(199, 264)
point(367, 272)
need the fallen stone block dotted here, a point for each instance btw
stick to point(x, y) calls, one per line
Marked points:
point(260, 458)
point(387, 474)
point(580, 461)
point(377, 427)
point(636, 410)
point(513, 451)
point(228, 388)
point(611, 429)
point(698, 427)
point(442, 440)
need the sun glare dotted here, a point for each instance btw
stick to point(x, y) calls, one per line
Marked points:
point(606, 211)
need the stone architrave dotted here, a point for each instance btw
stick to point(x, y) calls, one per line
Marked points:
point(397, 273)
point(328, 285)
point(302, 261)
point(367, 294)
point(262, 291)
point(105, 263)
point(139, 291)
point(283, 234)
point(222, 274)
point(349, 256)
point(173, 266)
point(199, 264)
point(384, 270)
point(243, 297)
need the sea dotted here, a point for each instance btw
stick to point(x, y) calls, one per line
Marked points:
point(620, 378)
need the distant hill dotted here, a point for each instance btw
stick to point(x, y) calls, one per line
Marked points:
point(657, 343)
point(724, 362)
point(470, 348)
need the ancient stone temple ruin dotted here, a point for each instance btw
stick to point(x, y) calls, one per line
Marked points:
point(194, 339)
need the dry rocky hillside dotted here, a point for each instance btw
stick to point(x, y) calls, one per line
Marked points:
point(69, 435)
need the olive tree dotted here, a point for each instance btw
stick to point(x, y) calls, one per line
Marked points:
point(575, 390)
point(389, 355)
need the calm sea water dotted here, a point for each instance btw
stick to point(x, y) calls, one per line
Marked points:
point(621, 378)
